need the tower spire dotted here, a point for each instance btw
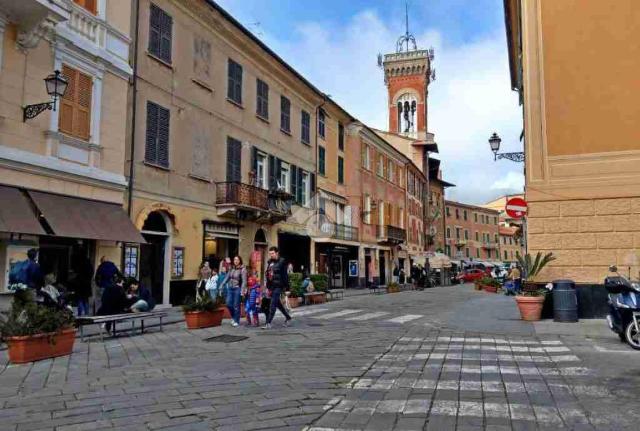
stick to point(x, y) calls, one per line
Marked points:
point(407, 37)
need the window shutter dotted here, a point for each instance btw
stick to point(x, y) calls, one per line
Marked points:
point(299, 196)
point(294, 182)
point(75, 106)
point(254, 160)
point(166, 29)
point(272, 172)
point(278, 173)
point(154, 30)
point(67, 102)
point(150, 148)
point(234, 160)
point(312, 189)
point(82, 124)
point(163, 137)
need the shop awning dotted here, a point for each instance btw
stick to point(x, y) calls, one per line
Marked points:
point(83, 218)
point(16, 213)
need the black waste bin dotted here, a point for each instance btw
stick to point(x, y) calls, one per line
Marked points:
point(565, 301)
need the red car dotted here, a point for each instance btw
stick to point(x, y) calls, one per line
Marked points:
point(471, 275)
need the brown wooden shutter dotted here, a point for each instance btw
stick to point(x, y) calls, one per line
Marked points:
point(83, 108)
point(65, 123)
point(75, 106)
point(89, 5)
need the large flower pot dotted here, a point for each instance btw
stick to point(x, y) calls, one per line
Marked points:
point(294, 302)
point(490, 289)
point(31, 348)
point(393, 289)
point(530, 307)
point(203, 319)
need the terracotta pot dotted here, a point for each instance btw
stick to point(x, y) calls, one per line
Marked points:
point(477, 286)
point(490, 289)
point(394, 289)
point(530, 307)
point(203, 319)
point(294, 302)
point(31, 348)
point(318, 299)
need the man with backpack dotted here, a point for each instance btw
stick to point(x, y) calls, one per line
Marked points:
point(277, 283)
point(27, 272)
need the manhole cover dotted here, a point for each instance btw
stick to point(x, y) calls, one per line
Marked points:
point(225, 339)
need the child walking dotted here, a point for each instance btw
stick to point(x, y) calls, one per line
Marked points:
point(253, 299)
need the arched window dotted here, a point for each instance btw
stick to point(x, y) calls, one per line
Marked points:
point(407, 115)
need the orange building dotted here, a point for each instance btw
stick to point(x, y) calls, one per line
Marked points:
point(471, 232)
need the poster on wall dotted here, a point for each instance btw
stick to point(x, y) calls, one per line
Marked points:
point(131, 260)
point(178, 262)
point(256, 262)
point(15, 254)
point(353, 268)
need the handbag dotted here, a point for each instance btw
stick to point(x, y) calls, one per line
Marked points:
point(265, 305)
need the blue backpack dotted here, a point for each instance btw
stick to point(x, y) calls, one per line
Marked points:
point(19, 272)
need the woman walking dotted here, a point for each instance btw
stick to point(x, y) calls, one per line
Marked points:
point(236, 283)
point(204, 274)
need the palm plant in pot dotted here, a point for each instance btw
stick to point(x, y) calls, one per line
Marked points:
point(203, 312)
point(531, 299)
point(33, 331)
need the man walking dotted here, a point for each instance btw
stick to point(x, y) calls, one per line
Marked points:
point(277, 282)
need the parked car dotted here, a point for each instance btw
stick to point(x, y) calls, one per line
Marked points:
point(471, 275)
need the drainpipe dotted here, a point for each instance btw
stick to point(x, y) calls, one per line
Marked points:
point(134, 99)
point(315, 168)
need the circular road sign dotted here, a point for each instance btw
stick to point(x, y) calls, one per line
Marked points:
point(516, 208)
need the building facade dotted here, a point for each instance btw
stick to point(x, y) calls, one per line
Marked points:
point(223, 137)
point(471, 232)
point(62, 181)
point(511, 244)
point(581, 135)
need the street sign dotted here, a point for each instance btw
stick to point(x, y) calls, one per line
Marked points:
point(516, 208)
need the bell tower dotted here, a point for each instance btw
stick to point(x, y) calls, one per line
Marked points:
point(407, 75)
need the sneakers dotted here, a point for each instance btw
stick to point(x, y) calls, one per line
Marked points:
point(234, 323)
point(266, 326)
point(286, 322)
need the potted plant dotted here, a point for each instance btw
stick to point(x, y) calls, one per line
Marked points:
point(489, 284)
point(531, 299)
point(203, 312)
point(296, 291)
point(393, 287)
point(34, 332)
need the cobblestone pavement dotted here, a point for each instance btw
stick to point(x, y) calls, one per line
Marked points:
point(441, 359)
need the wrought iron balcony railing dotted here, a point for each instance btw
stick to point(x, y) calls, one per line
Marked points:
point(490, 245)
point(347, 233)
point(242, 195)
point(388, 233)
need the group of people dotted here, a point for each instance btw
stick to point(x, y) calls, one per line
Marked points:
point(240, 286)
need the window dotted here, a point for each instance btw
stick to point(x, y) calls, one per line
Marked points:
point(504, 240)
point(261, 171)
point(448, 212)
point(495, 237)
point(89, 5)
point(478, 253)
point(234, 157)
point(340, 137)
point(340, 213)
point(160, 28)
point(510, 241)
point(321, 123)
point(390, 170)
point(457, 233)
point(466, 234)
point(75, 106)
point(464, 215)
point(156, 149)
point(285, 177)
point(131, 253)
point(505, 255)
point(466, 252)
point(285, 114)
point(457, 213)
point(340, 170)
point(447, 250)
point(177, 262)
point(477, 236)
point(366, 157)
point(475, 217)
point(321, 160)
point(322, 205)
point(262, 99)
point(495, 220)
point(401, 217)
point(305, 192)
point(367, 209)
point(234, 85)
point(380, 165)
point(381, 213)
point(448, 232)
point(305, 128)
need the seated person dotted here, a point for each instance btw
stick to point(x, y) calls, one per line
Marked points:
point(307, 285)
point(139, 297)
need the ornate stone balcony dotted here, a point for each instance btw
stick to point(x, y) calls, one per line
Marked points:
point(34, 19)
point(388, 234)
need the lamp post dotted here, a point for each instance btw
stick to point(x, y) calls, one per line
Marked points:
point(56, 85)
point(494, 143)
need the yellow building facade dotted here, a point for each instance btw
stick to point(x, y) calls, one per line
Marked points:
point(581, 136)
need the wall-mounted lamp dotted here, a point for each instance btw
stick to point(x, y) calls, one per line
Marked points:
point(56, 85)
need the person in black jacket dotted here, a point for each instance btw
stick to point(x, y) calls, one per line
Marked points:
point(114, 300)
point(138, 296)
point(277, 283)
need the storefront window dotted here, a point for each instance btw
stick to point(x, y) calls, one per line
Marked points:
point(131, 253)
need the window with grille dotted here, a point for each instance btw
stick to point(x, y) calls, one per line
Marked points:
point(262, 101)
point(90, 5)
point(321, 123)
point(285, 114)
point(340, 137)
point(340, 170)
point(321, 161)
point(306, 127)
point(160, 31)
point(75, 106)
point(234, 85)
point(157, 135)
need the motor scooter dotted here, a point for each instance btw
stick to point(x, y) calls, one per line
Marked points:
point(624, 307)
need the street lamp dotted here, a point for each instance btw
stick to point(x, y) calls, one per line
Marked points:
point(494, 143)
point(56, 85)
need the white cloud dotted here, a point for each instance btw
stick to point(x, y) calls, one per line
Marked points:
point(470, 98)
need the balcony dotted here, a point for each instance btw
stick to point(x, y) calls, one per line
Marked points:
point(344, 232)
point(490, 245)
point(246, 202)
point(34, 18)
point(390, 234)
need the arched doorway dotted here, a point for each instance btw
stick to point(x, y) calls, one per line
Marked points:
point(259, 255)
point(155, 255)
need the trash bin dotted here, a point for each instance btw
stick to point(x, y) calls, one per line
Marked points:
point(565, 301)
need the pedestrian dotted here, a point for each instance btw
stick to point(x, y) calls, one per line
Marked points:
point(105, 276)
point(27, 273)
point(204, 274)
point(225, 266)
point(290, 268)
point(236, 284)
point(277, 283)
point(81, 282)
point(396, 273)
point(516, 278)
point(253, 297)
point(212, 285)
point(138, 296)
point(114, 299)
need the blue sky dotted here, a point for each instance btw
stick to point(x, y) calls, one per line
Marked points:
point(334, 44)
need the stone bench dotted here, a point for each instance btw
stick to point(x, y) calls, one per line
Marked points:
point(315, 298)
point(378, 288)
point(114, 319)
point(336, 294)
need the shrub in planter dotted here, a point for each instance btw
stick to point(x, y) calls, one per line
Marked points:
point(489, 284)
point(320, 282)
point(203, 312)
point(34, 332)
point(393, 287)
point(531, 299)
point(295, 285)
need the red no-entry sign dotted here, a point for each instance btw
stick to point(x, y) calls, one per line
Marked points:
point(516, 208)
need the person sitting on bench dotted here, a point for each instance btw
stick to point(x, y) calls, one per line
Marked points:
point(114, 299)
point(138, 296)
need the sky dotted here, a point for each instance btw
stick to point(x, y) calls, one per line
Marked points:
point(335, 43)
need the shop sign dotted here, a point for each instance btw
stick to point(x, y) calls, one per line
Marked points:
point(221, 228)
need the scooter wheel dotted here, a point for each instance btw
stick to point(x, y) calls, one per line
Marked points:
point(633, 336)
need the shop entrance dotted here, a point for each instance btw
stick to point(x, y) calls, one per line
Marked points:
point(154, 256)
point(383, 269)
point(295, 250)
point(337, 276)
point(368, 279)
point(220, 241)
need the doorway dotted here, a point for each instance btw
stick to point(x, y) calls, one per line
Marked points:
point(383, 272)
point(337, 276)
point(154, 256)
point(367, 271)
